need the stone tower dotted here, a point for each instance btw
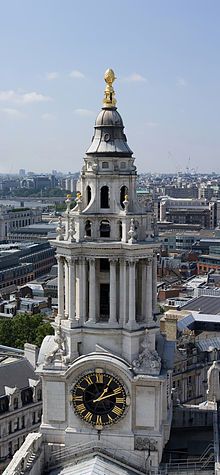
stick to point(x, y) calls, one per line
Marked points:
point(103, 378)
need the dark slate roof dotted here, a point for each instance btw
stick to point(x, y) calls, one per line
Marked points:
point(15, 371)
point(204, 304)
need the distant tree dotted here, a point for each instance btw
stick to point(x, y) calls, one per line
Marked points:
point(24, 328)
point(6, 337)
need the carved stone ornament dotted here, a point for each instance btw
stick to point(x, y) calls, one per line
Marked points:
point(59, 353)
point(72, 230)
point(60, 230)
point(144, 443)
point(213, 392)
point(148, 361)
point(132, 232)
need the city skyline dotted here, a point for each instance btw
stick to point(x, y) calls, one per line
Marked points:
point(167, 89)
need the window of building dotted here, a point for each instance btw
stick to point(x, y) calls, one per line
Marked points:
point(26, 396)
point(123, 165)
point(33, 418)
point(88, 194)
point(15, 403)
point(105, 165)
point(88, 228)
point(123, 193)
point(23, 422)
point(4, 404)
point(105, 229)
point(104, 265)
point(39, 394)
point(104, 197)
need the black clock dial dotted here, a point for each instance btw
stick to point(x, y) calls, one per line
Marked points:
point(99, 398)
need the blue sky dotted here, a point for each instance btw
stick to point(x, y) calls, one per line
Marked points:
point(165, 54)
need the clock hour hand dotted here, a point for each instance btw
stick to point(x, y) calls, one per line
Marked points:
point(103, 392)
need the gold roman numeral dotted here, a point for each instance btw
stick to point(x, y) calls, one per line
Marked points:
point(98, 421)
point(77, 398)
point(88, 380)
point(81, 408)
point(117, 410)
point(80, 387)
point(110, 380)
point(110, 418)
point(99, 378)
point(88, 417)
point(119, 400)
point(117, 390)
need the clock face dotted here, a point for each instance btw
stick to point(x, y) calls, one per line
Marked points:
point(99, 398)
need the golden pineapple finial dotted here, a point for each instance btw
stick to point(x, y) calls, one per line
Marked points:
point(109, 98)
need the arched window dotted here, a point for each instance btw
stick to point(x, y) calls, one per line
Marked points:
point(88, 194)
point(104, 228)
point(88, 228)
point(104, 197)
point(123, 193)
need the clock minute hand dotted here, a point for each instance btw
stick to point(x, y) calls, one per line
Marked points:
point(100, 398)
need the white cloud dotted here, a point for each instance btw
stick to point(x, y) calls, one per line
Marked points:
point(48, 116)
point(52, 75)
point(135, 77)
point(84, 112)
point(76, 74)
point(23, 97)
point(13, 113)
point(181, 82)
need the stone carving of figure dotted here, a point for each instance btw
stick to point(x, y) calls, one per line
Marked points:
point(148, 361)
point(213, 375)
point(59, 352)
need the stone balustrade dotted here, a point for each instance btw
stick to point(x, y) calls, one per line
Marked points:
point(28, 453)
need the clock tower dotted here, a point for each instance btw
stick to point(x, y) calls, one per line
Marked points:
point(106, 374)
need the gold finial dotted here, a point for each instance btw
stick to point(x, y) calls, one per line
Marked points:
point(109, 99)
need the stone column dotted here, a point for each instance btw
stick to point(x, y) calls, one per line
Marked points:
point(122, 293)
point(66, 267)
point(60, 286)
point(72, 290)
point(132, 296)
point(92, 291)
point(149, 292)
point(154, 284)
point(82, 289)
point(143, 289)
point(112, 298)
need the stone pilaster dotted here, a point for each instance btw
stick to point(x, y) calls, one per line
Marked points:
point(72, 290)
point(149, 293)
point(154, 284)
point(122, 293)
point(66, 267)
point(112, 316)
point(60, 262)
point(132, 295)
point(92, 291)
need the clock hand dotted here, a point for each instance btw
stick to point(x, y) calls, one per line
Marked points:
point(100, 398)
point(104, 391)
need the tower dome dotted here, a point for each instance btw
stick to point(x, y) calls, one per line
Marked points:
point(109, 138)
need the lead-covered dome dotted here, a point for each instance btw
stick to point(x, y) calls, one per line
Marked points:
point(109, 137)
